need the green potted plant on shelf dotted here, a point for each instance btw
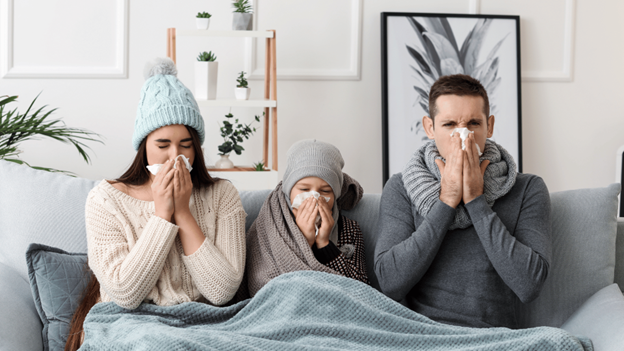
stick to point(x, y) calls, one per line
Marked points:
point(259, 167)
point(233, 135)
point(242, 89)
point(206, 72)
point(16, 127)
point(243, 16)
point(203, 20)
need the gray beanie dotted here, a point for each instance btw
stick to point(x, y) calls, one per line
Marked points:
point(313, 158)
point(165, 101)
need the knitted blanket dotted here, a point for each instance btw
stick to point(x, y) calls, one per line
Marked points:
point(303, 311)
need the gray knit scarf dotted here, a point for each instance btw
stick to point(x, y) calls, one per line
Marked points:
point(421, 178)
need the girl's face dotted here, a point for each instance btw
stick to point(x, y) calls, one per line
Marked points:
point(165, 143)
point(312, 184)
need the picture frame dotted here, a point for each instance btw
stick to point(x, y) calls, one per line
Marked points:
point(418, 48)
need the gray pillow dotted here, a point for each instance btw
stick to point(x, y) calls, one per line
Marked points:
point(583, 260)
point(57, 282)
point(600, 318)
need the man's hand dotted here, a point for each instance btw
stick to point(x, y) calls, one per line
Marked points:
point(452, 173)
point(473, 171)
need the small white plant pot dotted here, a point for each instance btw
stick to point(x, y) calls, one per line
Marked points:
point(224, 162)
point(242, 93)
point(206, 80)
point(202, 23)
point(242, 21)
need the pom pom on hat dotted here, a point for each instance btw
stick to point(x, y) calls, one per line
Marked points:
point(165, 101)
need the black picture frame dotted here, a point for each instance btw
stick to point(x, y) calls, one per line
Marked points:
point(400, 63)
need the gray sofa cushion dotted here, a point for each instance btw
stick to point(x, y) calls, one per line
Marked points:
point(601, 318)
point(583, 261)
point(57, 282)
point(40, 207)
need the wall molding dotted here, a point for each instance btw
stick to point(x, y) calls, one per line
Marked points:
point(8, 69)
point(567, 71)
point(353, 72)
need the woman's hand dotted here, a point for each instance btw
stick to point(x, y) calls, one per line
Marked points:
point(162, 191)
point(305, 216)
point(182, 190)
point(327, 223)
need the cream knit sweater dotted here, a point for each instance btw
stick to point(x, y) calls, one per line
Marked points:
point(137, 256)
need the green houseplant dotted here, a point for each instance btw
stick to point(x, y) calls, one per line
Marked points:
point(242, 90)
point(203, 20)
point(233, 135)
point(259, 166)
point(206, 72)
point(16, 127)
point(243, 17)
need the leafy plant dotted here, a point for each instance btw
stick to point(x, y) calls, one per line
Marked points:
point(233, 134)
point(16, 128)
point(439, 55)
point(203, 15)
point(242, 81)
point(259, 166)
point(242, 6)
point(207, 56)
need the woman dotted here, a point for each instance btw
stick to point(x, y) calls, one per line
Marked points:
point(168, 235)
point(288, 237)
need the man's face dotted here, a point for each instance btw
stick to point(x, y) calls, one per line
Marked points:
point(456, 111)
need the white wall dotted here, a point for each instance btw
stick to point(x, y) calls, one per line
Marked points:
point(571, 129)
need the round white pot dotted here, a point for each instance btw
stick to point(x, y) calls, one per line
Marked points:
point(224, 162)
point(242, 93)
point(202, 23)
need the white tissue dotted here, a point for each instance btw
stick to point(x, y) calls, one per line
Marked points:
point(302, 196)
point(155, 168)
point(463, 134)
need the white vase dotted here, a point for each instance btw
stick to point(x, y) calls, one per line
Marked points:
point(242, 21)
point(242, 93)
point(202, 23)
point(224, 162)
point(206, 80)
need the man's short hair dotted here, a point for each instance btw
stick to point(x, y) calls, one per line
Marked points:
point(457, 84)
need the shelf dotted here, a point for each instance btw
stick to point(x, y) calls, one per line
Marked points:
point(225, 33)
point(237, 103)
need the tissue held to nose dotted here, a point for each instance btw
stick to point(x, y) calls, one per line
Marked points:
point(155, 168)
point(463, 134)
point(301, 197)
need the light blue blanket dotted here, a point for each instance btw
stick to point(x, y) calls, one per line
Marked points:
point(303, 311)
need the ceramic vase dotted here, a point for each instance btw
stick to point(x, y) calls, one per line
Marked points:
point(224, 162)
point(206, 80)
point(242, 21)
point(202, 23)
point(242, 93)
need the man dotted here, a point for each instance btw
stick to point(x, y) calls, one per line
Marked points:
point(463, 238)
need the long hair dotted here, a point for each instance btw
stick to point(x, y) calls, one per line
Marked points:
point(137, 174)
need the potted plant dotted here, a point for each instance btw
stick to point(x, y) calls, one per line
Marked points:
point(233, 134)
point(206, 71)
point(242, 90)
point(243, 17)
point(203, 20)
point(259, 167)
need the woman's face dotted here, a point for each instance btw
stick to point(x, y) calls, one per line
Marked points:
point(312, 184)
point(165, 143)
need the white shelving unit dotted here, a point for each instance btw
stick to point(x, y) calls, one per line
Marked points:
point(245, 178)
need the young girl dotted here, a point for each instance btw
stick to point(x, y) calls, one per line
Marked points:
point(285, 239)
point(170, 234)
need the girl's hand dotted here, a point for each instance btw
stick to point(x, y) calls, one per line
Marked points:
point(182, 190)
point(327, 223)
point(162, 191)
point(305, 216)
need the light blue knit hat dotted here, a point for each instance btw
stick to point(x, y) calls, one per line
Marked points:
point(165, 101)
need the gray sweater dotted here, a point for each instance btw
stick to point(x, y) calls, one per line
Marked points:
point(473, 277)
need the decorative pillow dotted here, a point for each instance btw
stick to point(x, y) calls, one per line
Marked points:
point(583, 254)
point(600, 318)
point(57, 282)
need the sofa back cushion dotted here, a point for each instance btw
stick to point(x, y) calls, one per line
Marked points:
point(619, 254)
point(40, 207)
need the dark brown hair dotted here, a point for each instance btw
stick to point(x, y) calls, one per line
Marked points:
point(137, 174)
point(457, 84)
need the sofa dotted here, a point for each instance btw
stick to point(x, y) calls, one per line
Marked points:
point(580, 294)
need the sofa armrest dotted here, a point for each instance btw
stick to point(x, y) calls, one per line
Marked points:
point(21, 326)
point(600, 318)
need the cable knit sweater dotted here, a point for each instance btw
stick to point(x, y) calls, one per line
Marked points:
point(138, 256)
